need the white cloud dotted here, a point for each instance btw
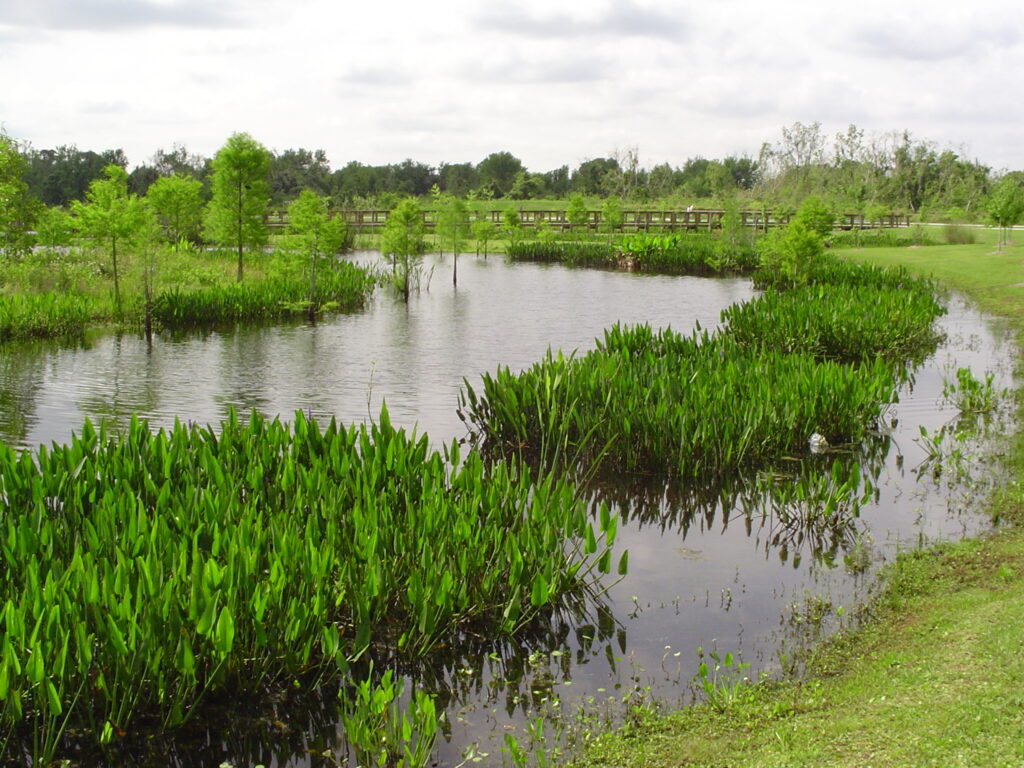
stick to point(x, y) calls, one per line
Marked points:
point(553, 83)
point(115, 15)
point(618, 19)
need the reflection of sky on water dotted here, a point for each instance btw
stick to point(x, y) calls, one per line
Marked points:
point(413, 357)
point(714, 584)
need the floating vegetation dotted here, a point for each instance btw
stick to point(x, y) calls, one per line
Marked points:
point(144, 573)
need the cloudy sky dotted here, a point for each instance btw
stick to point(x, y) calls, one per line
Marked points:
point(553, 82)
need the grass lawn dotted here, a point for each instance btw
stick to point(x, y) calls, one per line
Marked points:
point(935, 676)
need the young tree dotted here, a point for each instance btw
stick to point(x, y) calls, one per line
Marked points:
point(176, 200)
point(816, 216)
point(484, 231)
point(54, 227)
point(576, 212)
point(18, 209)
point(453, 228)
point(111, 217)
point(511, 228)
point(1005, 206)
point(234, 218)
point(402, 240)
point(319, 234)
point(611, 216)
point(787, 254)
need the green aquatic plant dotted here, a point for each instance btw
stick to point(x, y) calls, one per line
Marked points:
point(143, 572)
point(384, 734)
point(43, 315)
point(342, 286)
point(722, 679)
point(570, 253)
point(858, 323)
point(686, 406)
point(970, 394)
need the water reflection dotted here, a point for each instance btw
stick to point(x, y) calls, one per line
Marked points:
point(413, 357)
point(733, 565)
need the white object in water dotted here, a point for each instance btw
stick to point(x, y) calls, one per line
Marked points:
point(817, 443)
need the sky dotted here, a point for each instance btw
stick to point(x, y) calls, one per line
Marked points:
point(555, 82)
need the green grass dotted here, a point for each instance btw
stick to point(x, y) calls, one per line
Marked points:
point(58, 293)
point(935, 675)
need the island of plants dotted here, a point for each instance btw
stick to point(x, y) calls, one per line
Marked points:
point(145, 572)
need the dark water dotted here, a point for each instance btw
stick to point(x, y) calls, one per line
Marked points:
point(701, 573)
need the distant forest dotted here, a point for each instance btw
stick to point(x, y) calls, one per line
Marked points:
point(850, 171)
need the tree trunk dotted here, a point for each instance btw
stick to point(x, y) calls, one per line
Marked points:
point(312, 287)
point(117, 285)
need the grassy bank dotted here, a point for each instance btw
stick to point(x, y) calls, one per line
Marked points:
point(934, 677)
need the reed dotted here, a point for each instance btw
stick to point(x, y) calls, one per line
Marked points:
point(142, 573)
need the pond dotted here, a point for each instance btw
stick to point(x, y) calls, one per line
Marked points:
point(702, 573)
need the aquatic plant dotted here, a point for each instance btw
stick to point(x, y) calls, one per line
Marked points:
point(42, 315)
point(381, 732)
point(689, 253)
point(571, 253)
point(857, 323)
point(144, 572)
point(686, 406)
point(970, 394)
point(343, 286)
point(672, 253)
point(723, 681)
point(829, 270)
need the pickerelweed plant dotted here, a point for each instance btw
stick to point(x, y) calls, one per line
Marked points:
point(142, 573)
point(784, 368)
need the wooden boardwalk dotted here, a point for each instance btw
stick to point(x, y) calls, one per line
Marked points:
point(690, 220)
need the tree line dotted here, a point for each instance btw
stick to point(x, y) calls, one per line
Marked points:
point(851, 170)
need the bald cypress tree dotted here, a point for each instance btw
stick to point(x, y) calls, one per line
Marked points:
point(241, 192)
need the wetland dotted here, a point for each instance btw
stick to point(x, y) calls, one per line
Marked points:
point(735, 564)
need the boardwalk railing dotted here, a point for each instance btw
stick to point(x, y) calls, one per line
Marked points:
point(693, 219)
